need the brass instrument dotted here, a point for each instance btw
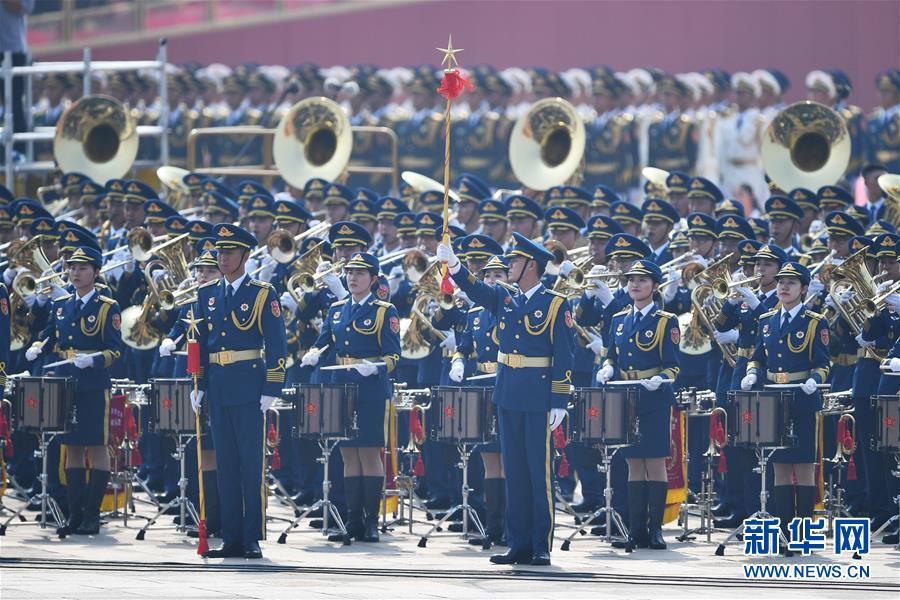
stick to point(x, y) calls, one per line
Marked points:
point(140, 243)
point(282, 246)
point(722, 288)
point(657, 179)
point(890, 184)
point(178, 194)
point(313, 139)
point(706, 306)
point(852, 275)
point(417, 332)
point(396, 255)
point(806, 145)
point(872, 306)
point(307, 282)
point(678, 263)
point(415, 263)
point(97, 136)
point(547, 144)
point(303, 278)
point(30, 256)
point(169, 299)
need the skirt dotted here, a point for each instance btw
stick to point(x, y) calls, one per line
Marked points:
point(654, 413)
point(804, 449)
point(90, 419)
point(371, 422)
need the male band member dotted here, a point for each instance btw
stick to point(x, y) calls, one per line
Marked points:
point(240, 316)
point(533, 383)
point(85, 328)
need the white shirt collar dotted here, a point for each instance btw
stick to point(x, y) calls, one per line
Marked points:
point(661, 249)
point(644, 311)
point(531, 292)
point(770, 292)
point(361, 302)
point(793, 312)
point(236, 284)
point(84, 299)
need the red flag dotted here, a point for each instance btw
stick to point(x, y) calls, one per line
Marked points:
point(415, 427)
point(193, 363)
point(446, 283)
point(453, 84)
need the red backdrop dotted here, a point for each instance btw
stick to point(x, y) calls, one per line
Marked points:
point(860, 37)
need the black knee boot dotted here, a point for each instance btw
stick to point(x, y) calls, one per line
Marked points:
point(805, 504)
point(656, 507)
point(372, 506)
point(75, 485)
point(353, 496)
point(211, 499)
point(492, 523)
point(637, 516)
point(93, 498)
point(784, 510)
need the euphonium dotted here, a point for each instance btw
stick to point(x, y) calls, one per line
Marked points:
point(852, 275)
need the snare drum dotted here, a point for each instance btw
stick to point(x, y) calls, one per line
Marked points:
point(44, 403)
point(760, 419)
point(173, 411)
point(326, 410)
point(463, 415)
point(606, 416)
point(886, 410)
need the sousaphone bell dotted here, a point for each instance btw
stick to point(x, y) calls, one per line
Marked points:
point(547, 144)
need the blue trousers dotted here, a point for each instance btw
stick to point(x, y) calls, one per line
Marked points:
point(525, 451)
point(238, 436)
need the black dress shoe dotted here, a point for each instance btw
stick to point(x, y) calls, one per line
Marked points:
point(540, 559)
point(225, 551)
point(512, 557)
point(890, 539)
point(437, 503)
point(316, 523)
point(252, 550)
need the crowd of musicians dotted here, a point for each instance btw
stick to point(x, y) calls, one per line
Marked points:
point(570, 287)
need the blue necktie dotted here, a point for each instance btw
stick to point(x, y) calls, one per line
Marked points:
point(229, 295)
point(353, 308)
point(784, 323)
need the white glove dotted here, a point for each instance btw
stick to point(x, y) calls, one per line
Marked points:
point(457, 370)
point(864, 343)
point(311, 358)
point(883, 286)
point(266, 402)
point(288, 305)
point(333, 282)
point(605, 374)
point(895, 365)
point(748, 296)
point(394, 279)
point(365, 368)
point(325, 265)
point(669, 292)
point(268, 269)
point(196, 399)
point(83, 361)
point(33, 352)
point(556, 417)
point(846, 295)
point(816, 226)
point(652, 384)
point(701, 260)
point(815, 288)
point(461, 294)
point(726, 337)
point(748, 381)
point(166, 347)
point(893, 302)
point(31, 299)
point(829, 301)
point(565, 267)
point(450, 341)
point(57, 292)
point(445, 254)
point(600, 291)
point(9, 274)
point(809, 386)
point(595, 345)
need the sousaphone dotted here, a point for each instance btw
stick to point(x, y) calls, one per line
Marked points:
point(96, 136)
point(547, 144)
point(806, 146)
point(313, 140)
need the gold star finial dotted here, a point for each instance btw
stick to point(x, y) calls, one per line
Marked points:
point(192, 323)
point(449, 54)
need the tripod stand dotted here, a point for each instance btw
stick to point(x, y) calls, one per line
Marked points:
point(468, 512)
point(762, 513)
point(185, 506)
point(612, 517)
point(48, 504)
point(327, 445)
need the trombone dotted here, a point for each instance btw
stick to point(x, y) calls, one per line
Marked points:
point(722, 288)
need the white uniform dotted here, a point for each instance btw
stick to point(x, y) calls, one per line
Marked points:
point(740, 137)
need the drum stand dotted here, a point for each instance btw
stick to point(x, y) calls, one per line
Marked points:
point(613, 519)
point(328, 508)
point(185, 506)
point(896, 473)
point(703, 505)
point(48, 504)
point(762, 513)
point(834, 498)
point(405, 493)
point(10, 482)
point(467, 511)
point(276, 488)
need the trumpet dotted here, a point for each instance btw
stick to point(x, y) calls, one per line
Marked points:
point(282, 246)
point(870, 306)
point(309, 282)
point(140, 243)
point(723, 288)
point(169, 299)
point(677, 263)
point(26, 284)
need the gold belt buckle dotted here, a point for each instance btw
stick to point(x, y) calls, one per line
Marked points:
point(781, 377)
point(630, 375)
point(225, 357)
point(515, 360)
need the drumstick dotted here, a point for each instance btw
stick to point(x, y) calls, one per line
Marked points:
point(485, 376)
point(632, 382)
point(353, 366)
point(785, 386)
point(70, 360)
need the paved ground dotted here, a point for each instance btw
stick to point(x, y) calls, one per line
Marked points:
point(35, 564)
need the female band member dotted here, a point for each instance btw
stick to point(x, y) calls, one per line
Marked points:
point(363, 330)
point(644, 348)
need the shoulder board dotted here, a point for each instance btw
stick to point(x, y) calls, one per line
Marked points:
point(668, 315)
point(208, 283)
point(875, 113)
point(493, 115)
point(813, 315)
point(623, 312)
point(106, 299)
point(382, 303)
point(475, 309)
point(339, 302)
point(261, 284)
point(772, 312)
point(546, 291)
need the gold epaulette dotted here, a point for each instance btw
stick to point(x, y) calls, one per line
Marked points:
point(623, 312)
point(493, 115)
point(106, 299)
point(340, 302)
point(657, 117)
point(261, 284)
point(436, 116)
point(769, 314)
point(813, 315)
point(625, 117)
point(663, 313)
point(382, 303)
point(474, 309)
point(554, 293)
point(684, 118)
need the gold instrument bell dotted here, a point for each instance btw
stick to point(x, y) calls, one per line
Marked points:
point(96, 136)
point(547, 144)
point(314, 139)
point(806, 146)
point(890, 185)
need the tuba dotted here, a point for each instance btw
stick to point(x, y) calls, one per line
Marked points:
point(657, 179)
point(313, 139)
point(547, 144)
point(96, 136)
point(806, 145)
point(416, 333)
point(178, 194)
